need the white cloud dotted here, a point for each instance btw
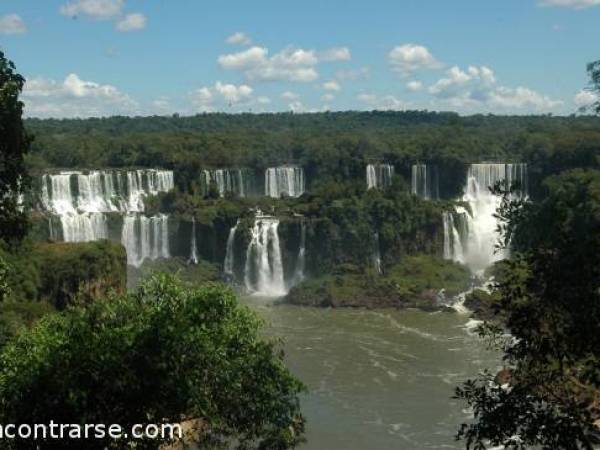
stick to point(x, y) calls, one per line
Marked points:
point(263, 100)
point(408, 58)
point(585, 98)
point(575, 4)
point(332, 86)
point(288, 65)
point(327, 97)
point(97, 9)
point(74, 97)
point(296, 106)
point(288, 95)
point(383, 103)
point(202, 99)
point(131, 22)
point(12, 24)
point(222, 96)
point(476, 89)
point(239, 38)
point(522, 98)
point(336, 54)
point(362, 73)
point(414, 86)
point(233, 93)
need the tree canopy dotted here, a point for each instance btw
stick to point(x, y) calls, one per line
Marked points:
point(14, 143)
point(549, 295)
point(164, 354)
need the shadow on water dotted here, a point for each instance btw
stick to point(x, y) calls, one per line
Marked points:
point(379, 379)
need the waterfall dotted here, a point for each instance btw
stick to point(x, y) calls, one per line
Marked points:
point(82, 201)
point(379, 176)
point(102, 191)
point(193, 248)
point(301, 259)
point(284, 180)
point(234, 181)
point(425, 182)
point(145, 238)
point(83, 227)
point(473, 239)
point(263, 272)
point(228, 265)
point(376, 253)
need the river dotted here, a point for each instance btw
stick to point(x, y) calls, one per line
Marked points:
point(378, 380)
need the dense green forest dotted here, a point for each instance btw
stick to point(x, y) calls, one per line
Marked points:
point(330, 146)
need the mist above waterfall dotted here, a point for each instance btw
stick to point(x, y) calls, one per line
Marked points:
point(263, 272)
point(472, 237)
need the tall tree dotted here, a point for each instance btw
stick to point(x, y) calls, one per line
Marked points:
point(14, 143)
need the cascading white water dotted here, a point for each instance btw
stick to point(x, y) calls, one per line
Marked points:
point(84, 227)
point(83, 200)
point(376, 253)
point(227, 180)
point(473, 240)
point(284, 180)
point(102, 191)
point(193, 247)
point(228, 265)
point(263, 272)
point(301, 259)
point(425, 181)
point(379, 176)
point(145, 238)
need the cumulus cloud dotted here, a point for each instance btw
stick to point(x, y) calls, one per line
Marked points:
point(362, 73)
point(202, 99)
point(291, 64)
point(408, 58)
point(585, 98)
point(288, 95)
point(233, 93)
point(332, 86)
point(131, 22)
point(476, 89)
point(74, 97)
point(383, 103)
point(414, 86)
point(12, 24)
point(239, 38)
point(575, 4)
point(296, 106)
point(105, 10)
point(335, 54)
point(224, 95)
point(96, 9)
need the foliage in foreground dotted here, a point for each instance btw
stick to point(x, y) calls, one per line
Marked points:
point(13, 147)
point(161, 355)
point(549, 294)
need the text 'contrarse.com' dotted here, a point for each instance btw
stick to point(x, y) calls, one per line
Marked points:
point(60, 431)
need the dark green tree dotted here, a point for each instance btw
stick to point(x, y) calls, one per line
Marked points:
point(549, 296)
point(14, 143)
point(165, 354)
point(593, 70)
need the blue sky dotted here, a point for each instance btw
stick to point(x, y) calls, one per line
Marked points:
point(101, 57)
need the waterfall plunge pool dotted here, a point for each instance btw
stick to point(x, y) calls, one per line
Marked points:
point(377, 379)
